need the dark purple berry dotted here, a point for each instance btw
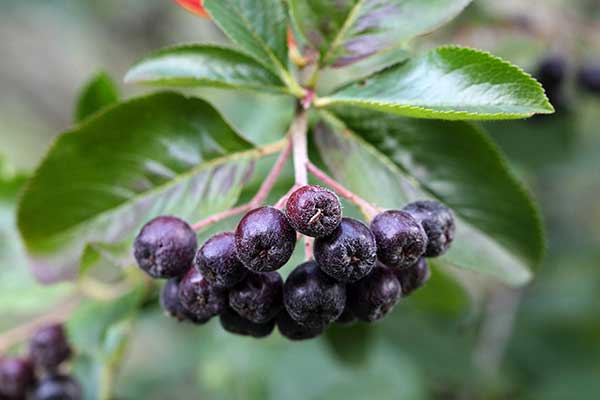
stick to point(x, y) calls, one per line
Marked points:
point(588, 78)
point(16, 377)
point(169, 300)
point(259, 298)
point(218, 262)
point(234, 323)
point(294, 331)
point(49, 347)
point(347, 317)
point(373, 297)
point(437, 221)
point(414, 277)
point(58, 387)
point(264, 239)
point(314, 211)
point(401, 240)
point(551, 71)
point(165, 247)
point(349, 253)
point(201, 299)
point(311, 297)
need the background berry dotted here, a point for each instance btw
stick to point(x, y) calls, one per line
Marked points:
point(437, 221)
point(169, 300)
point(16, 377)
point(259, 298)
point(551, 73)
point(314, 211)
point(234, 323)
point(373, 297)
point(588, 78)
point(349, 253)
point(414, 277)
point(311, 297)
point(201, 299)
point(264, 239)
point(165, 247)
point(294, 331)
point(218, 262)
point(49, 347)
point(58, 387)
point(401, 240)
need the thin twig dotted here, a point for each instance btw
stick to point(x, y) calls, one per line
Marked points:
point(308, 247)
point(300, 148)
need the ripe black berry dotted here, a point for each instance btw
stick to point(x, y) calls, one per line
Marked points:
point(218, 262)
point(373, 297)
point(294, 331)
point(169, 300)
point(314, 211)
point(201, 299)
point(311, 297)
point(349, 253)
point(259, 298)
point(347, 317)
point(234, 323)
point(16, 377)
point(49, 347)
point(588, 78)
point(165, 247)
point(58, 387)
point(437, 221)
point(401, 240)
point(264, 239)
point(414, 277)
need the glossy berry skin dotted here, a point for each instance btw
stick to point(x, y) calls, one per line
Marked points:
point(58, 387)
point(414, 277)
point(313, 298)
point(349, 253)
point(49, 347)
point(314, 211)
point(588, 78)
point(169, 301)
point(264, 239)
point(373, 297)
point(165, 247)
point(294, 331)
point(218, 262)
point(234, 323)
point(16, 377)
point(401, 240)
point(201, 299)
point(259, 298)
point(437, 221)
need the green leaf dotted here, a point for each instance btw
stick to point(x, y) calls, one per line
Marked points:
point(100, 182)
point(347, 31)
point(352, 344)
point(392, 160)
point(203, 65)
point(99, 92)
point(448, 83)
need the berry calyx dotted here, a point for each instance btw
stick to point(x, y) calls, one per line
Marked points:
point(58, 387)
point(16, 377)
point(218, 262)
point(294, 331)
point(165, 247)
point(373, 297)
point(314, 211)
point(264, 239)
point(437, 221)
point(414, 277)
point(234, 323)
point(201, 299)
point(259, 298)
point(349, 253)
point(49, 347)
point(313, 298)
point(401, 240)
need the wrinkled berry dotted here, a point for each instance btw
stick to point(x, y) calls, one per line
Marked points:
point(588, 78)
point(349, 253)
point(169, 300)
point(401, 240)
point(16, 377)
point(58, 387)
point(259, 298)
point(264, 239)
point(437, 221)
point(294, 331)
point(373, 297)
point(314, 211)
point(218, 262)
point(201, 299)
point(311, 297)
point(234, 323)
point(49, 347)
point(347, 317)
point(165, 247)
point(414, 277)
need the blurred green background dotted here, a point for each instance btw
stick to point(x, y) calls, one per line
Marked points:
point(476, 340)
